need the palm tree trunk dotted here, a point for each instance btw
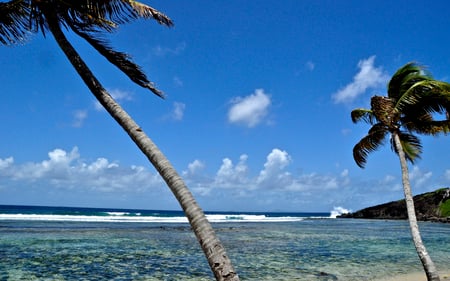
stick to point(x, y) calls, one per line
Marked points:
point(214, 251)
point(428, 265)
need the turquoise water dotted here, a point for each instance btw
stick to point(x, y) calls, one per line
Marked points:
point(307, 249)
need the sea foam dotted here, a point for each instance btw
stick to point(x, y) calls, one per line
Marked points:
point(126, 217)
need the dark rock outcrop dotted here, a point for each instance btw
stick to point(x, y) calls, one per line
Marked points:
point(430, 206)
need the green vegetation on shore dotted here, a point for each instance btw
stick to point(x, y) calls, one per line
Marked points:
point(430, 206)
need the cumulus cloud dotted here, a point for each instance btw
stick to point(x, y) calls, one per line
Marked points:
point(272, 186)
point(273, 174)
point(67, 170)
point(194, 168)
point(230, 175)
point(368, 77)
point(250, 110)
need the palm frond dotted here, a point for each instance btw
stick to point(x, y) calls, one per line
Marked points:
point(371, 142)
point(146, 11)
point(103, 15)
point(363, 114)
point(121, 61)
point(404, 78)
point(411, 146)
point(431, 95)
point(423, 102)
point(431, 128)
point(14, 17)
point(119, 11)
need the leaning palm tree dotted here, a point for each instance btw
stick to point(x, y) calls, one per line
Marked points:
point(414, 101)
point(89, 19)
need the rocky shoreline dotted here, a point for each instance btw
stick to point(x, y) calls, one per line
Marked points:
point(431, 206)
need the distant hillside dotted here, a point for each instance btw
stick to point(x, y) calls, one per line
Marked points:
point(430, 206)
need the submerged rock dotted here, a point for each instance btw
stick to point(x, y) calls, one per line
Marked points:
point(323, 276)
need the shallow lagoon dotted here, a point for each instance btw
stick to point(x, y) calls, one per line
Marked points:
point(310, 249)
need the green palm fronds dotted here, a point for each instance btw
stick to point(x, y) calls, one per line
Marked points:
point(371, 142)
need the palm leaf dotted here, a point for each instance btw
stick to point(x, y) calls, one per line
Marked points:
point(363, 114)
point(119, 11)
point(371, 142)
point(91, 14)
point(121, 61)
point(88, 18)
point(410, 144)
point(432, 128)
point(431, 95)
point(148, 12)
point(404, 78)
point(14, 22)
point(423, 102)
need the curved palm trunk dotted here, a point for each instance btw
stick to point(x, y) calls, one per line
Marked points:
point(214, 251)
point(428, 265)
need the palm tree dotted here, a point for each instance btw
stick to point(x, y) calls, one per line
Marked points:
point(414, 102)
point(88, 19)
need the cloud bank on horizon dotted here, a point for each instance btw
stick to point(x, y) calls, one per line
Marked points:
point(272, 186)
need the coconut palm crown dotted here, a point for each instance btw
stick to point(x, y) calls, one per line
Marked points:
point(413, 102)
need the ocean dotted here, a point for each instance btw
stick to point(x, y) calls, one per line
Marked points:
point(61, 243)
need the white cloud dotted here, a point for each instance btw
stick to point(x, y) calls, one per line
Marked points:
point(230, 175)
point(194, 167)
point(273, 186)
point(250, 110)
point(5, 163)
point(178, 110)
point(368, 77)
point(273, 175)
point(417, 177)
point(66, 170)
point(388, 179)
point(79, 117)
point(176, 113)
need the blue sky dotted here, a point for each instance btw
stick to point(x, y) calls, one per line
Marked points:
point(257, 114)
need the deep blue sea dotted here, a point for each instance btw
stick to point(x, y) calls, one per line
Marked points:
point(61, 243)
